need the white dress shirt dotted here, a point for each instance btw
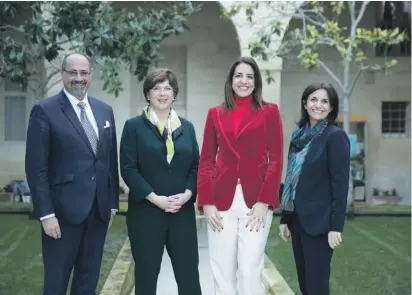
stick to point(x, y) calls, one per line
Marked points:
point(89, 114)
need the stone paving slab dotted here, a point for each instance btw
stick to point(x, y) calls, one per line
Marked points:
point(166, 283)
point(275, 283)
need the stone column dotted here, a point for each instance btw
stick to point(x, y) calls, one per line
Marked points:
point(271, 91)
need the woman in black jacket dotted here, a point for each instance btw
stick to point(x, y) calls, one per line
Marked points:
point(159, 156)
point(316, 187)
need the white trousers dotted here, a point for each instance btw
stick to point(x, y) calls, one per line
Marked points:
point(236, 253)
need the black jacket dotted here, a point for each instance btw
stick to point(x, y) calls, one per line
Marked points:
point(143, 163)
point(322, 189)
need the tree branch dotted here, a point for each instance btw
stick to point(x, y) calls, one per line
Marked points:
point(53, 73)
point(328, 41)
point(275, 8)
point(351, 5)
point(332, 74)
point(314, 22)
point(355, 79)
point(63, 42)
point(10, 27)
point(46, 89)
point(317, 13)
point(348, 57)
point(304, 24)
point(361, 12)
point(303, 17)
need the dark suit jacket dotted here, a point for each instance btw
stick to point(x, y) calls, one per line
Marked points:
point(255, 155)
point(143, 164)
point(63, 173)
point(322, 189)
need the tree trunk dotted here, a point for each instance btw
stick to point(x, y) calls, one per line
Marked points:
point(346, 126)
point(345, 113)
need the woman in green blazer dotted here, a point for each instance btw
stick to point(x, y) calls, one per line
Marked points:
point(159, 156)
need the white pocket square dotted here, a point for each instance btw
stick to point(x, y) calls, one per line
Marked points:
point(107, 124)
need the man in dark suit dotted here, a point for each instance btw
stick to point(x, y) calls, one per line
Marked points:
point(72, 171)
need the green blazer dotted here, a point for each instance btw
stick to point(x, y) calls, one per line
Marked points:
point(143, 164)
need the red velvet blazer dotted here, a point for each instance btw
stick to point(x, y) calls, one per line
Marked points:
point(255, 155)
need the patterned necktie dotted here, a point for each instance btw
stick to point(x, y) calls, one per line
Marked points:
point(88, 128)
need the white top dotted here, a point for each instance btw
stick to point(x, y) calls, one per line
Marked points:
point(89, 113)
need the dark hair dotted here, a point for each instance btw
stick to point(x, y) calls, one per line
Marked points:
point(333, 101)
point(257, 98)
point(160, 75)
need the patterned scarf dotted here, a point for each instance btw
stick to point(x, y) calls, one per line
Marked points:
point(173, 125)
point(300, 144)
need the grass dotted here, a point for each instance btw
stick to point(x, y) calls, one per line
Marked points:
point(27, 207)
point(114, 242)
point(15, 207)
point(375, 258)
point(21, 266)
point(360, 208)
point(123, 206)
point(364, 208)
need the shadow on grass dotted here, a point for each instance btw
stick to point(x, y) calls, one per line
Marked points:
point(21, 266)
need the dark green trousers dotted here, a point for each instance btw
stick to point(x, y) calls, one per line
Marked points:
point(150, 229)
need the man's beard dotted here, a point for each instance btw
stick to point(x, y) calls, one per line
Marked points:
point(79, 90)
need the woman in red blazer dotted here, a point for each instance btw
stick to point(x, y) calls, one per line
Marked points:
point(239, 177)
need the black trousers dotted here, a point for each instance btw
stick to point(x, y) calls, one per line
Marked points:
point(313, 257)
point(80, 246)
point(150, 229)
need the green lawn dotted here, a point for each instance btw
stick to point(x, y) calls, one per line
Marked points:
point(375, 258)
point(27, 207)
point(360, 208)
point(21, 268)
point(363, 208)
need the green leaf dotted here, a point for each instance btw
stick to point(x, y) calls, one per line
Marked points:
point(20, 56)
point(100, 61)
point(105, 85)
point(360, 56)
point(391, 63)
point(114, 37)
point(12, 55)
point(337, 7)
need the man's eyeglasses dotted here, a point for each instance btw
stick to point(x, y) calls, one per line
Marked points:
point(74, 74)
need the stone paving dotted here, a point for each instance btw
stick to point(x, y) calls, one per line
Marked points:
point(166, 283)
